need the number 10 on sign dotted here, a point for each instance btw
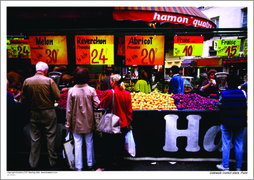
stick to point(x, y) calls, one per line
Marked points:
point(102, 54)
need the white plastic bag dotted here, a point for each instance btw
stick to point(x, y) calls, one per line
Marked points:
point(130, 144)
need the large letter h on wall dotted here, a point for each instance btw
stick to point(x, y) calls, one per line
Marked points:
point(192, 133)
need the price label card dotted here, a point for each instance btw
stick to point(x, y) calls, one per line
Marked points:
point(94, 49)
point(144, 50)
point(49, 49)
point(245, 49)
point(188, 45)
point(228, 47)
point(20, 47)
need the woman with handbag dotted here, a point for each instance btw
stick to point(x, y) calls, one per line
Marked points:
point(114, 144)
point(81, 101)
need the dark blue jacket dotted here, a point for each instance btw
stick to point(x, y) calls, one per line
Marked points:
point(233, 108)
point(176, 85)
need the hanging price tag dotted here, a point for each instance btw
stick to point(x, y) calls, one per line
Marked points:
point(228, 47)
point(245, 49)
point(102, 54)
point(20, 47)
point(94, 49)
point(144, 50)
point(188, 45)
point(49, 49)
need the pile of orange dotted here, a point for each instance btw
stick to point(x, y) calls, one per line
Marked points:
point(154, 100)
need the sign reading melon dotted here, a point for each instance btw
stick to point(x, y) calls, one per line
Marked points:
point(20, 47)
point(94, 49)
point(49, 49)
point(144, 50)
point(228, 47)
point(188, 45)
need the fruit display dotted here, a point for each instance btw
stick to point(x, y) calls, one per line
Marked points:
point(62, 100)
point(16, 93)
point(154, 100)
point(193, 102)
point(100, 94)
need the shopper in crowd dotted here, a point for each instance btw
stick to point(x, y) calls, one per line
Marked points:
point(113, 144)
point(81, 101)
point(11, 102)
point(176, 84)
point(15, 80)
point(105, 82)
point(142, 85)
point(209, 86)
point(195, 81)
point(233, 116)
point(244, 85)
point(203, 78)
point(38, 94)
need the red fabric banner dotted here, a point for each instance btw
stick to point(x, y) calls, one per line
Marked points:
point(163, 17)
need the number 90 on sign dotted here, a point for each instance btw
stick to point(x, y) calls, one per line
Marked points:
point(102, 54)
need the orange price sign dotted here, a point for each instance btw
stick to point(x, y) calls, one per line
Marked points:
point(49, 49)
point(188, 45)
point(94, 49)
point(144, 50)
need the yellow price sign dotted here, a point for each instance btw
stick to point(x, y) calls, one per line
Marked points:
point(188, 45)
point(228, 47)
point(20, 47)
point(101, 54)
point(245, 49)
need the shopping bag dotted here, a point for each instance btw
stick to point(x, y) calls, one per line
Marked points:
point(130, 144)
point(109, 123)
point(69, 151)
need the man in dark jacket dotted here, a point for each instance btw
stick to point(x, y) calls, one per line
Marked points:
point(233, 116)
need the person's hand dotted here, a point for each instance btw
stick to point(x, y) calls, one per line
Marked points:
point(65, 89)
point(68, 127)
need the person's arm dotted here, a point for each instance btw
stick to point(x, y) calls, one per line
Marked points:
point(55, 90)
point(129, 110)
point(106, 101)
point(96, 101)
point(69, 106)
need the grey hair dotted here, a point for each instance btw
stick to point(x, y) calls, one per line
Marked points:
point(41, 66)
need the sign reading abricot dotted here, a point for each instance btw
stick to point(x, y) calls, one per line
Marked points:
point(228, 47)
point(94, 49)
point(188, 45)
point(49, 49)
point(144, 50)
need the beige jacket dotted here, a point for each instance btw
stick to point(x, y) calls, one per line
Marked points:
point(81, 101)
point(39, 92)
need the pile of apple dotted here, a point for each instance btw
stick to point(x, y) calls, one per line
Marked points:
point(154, 100)
point(193, 102)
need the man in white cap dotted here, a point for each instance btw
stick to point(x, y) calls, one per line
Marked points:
point(38, 94)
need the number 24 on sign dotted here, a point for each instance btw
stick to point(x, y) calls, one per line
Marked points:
point(101, 54)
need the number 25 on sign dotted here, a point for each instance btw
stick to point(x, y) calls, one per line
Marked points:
point(102, 54)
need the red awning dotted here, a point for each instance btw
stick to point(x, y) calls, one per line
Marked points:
point(189, 16)
point(206, 62)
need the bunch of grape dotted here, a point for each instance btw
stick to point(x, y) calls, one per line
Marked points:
point(193, 102)
point(100, 94)
point(62, 101)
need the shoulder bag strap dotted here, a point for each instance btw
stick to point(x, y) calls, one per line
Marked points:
point(113, 104)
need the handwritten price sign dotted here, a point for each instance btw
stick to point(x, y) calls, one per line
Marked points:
point(94, 49)
point(245, 49)
point(49, 49)
point(188, 45)
point(20, 47)
point(144, 50)
point(228, 47)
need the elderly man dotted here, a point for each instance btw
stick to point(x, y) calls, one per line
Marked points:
point(38, 94)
